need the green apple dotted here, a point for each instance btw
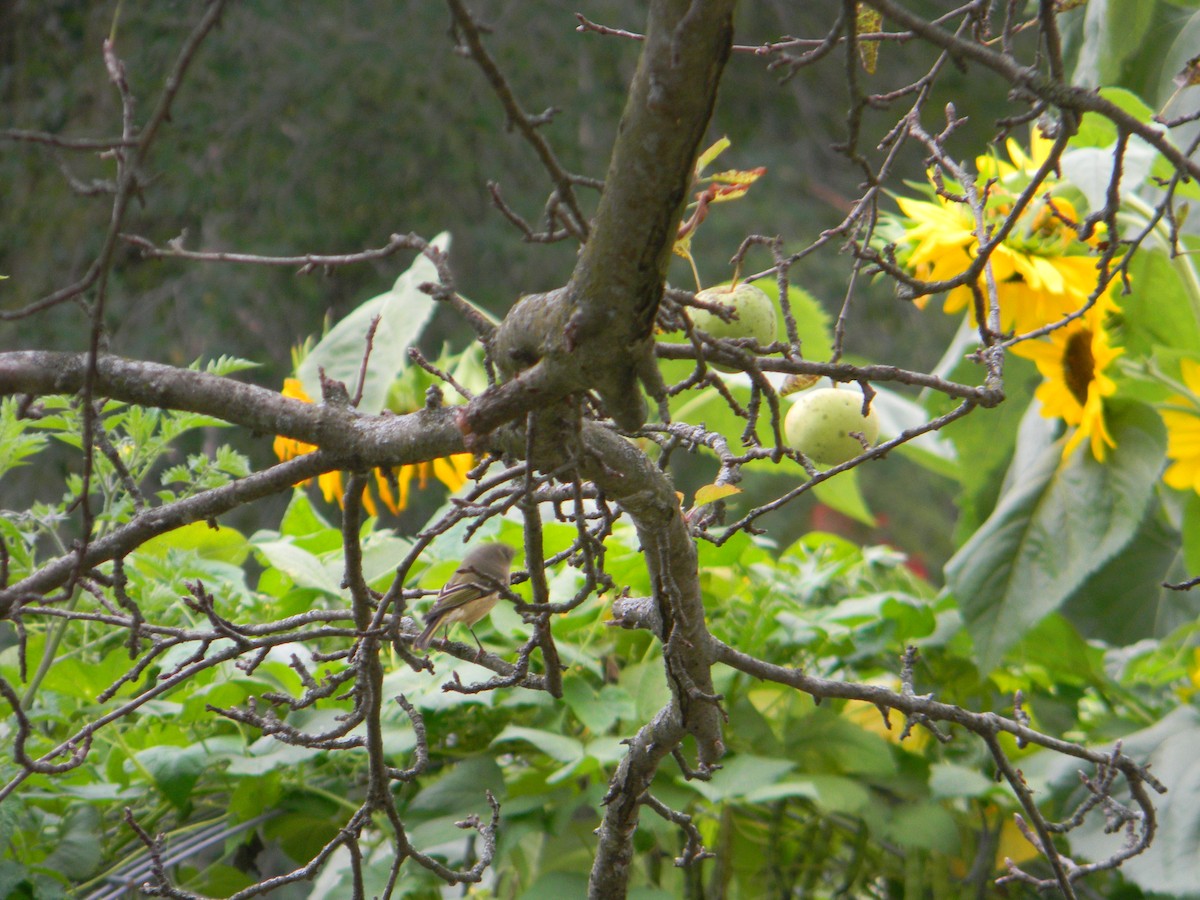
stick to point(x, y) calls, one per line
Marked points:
point(753, 313)
point(819, 425)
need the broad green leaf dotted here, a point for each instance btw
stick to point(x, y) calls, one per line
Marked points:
point(556, 746)
point(302, 567)
point(220, 880)
point(1113, 32)
point(1171, 866)
point(15, 443)
point(464, 787)
point(597, 710)
point(826, 741)
point(1090, 169)
point(1124, 601)
point(85, 680)
point(898, 414)
point(925, 826)
point(1059, 522)
point(223, 543)
point(302, 831)
point(1056, 646)
point(268, 755)
point(843, 493)
point(742, 775)
point(19, 545)
point(647, 684)
point(984, 439)
point(838, 794)
point(1173, 62)
point(949, 780)
point(403, 312)
point(556, 885)
point(607, 750)
point(1096, 130)
point(102, 790)
point(80, 845)
point(647, 892)
point(382, 552)
point(302, 520)
point(1156, 312)
point(16, 878)
point(802, 788)
point(1191, 533)
point(175, 769)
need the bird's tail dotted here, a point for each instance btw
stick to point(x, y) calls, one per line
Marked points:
point(423, 639)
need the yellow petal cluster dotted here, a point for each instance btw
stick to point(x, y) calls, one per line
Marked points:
point(1182, 418)
point(1043, 274)
point(450, 471)
point(1073, 361)
point(1042, 271)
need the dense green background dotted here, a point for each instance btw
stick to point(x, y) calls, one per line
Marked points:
point(311, 128)
point(327, 138)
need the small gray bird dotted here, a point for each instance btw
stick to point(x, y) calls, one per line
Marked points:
point(471, 592)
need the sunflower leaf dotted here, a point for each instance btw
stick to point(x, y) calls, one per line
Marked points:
point(403, 311)
point(1058, 522)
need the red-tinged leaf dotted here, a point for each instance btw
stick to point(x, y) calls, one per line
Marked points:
point(733, 192)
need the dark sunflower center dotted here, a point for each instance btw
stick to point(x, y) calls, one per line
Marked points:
point(1078, 364)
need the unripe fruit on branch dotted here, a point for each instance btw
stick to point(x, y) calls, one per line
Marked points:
point(820, 423)
point(753, 314)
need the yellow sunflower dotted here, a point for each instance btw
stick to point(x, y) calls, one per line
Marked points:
point(1022, 163)
point(1042, 270)
point(1182, 418)
point(450, 471)
point(1073, 360)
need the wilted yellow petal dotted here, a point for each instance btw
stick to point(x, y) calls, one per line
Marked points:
point(711, 153)
point(868, 21)
point(794, 383)
point(739, 176)
point(711, 493)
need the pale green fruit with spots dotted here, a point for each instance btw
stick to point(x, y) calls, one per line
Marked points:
point(753, 313)
point(820, 423)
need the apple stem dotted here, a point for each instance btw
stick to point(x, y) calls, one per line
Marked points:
point(695, 273)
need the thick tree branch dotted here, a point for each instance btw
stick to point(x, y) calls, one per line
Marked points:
point(597, 334)
point(342, 433)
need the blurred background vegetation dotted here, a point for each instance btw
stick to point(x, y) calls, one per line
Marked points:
point(315, 128)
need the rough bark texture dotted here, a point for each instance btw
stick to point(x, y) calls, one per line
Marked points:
point(615, 292)
point(597, 334)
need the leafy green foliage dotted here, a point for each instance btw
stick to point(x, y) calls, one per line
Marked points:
point(1055, 594)
point(1058, 522)
point(17, 444)
point(806, 793)
point(402, 314)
